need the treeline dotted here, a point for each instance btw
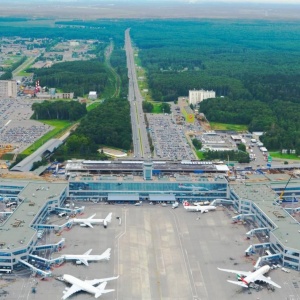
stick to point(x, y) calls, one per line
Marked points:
point(252, 66)
point(106, 125)
point(58, 110)
point(241, 157)
point(118, 62)
point(79, 77)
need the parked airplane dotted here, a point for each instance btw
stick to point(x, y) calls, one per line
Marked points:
point(202, 209)
point(90, 221)
point(86, 257)
point(86, 285)
point(246, 278)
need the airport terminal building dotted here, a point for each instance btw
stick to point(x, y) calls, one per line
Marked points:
point(35, 201)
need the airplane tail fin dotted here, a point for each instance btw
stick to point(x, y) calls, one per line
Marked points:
point(106, 254)
point(108, 218)
point(238, 283)
point(185, 203)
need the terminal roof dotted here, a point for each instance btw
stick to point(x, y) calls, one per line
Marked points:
point(264, 197)
point(16, 231)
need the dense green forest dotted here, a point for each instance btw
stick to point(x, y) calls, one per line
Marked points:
point(253, 66)
point(108, 124)
point(58, 110)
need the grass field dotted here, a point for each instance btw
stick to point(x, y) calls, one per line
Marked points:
point(156, 108)
point(93, 105)
point(223, 126)
point(284, 156)
point(200, 154)
point(60, 127)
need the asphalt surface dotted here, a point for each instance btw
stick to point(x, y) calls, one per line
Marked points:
point(159, 253)
point(139, 133)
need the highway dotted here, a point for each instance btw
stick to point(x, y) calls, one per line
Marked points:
point(141, 147)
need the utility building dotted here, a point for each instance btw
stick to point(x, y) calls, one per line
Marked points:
point(8, 88)
point(197, 96)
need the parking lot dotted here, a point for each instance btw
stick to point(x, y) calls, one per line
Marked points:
point(16, 127)
point(159, 253)
point(168, 138)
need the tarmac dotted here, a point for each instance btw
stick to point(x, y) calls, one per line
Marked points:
point(160, 253)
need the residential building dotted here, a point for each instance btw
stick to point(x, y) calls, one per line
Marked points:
point(197, 96)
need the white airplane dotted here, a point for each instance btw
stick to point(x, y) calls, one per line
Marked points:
point(202, 209)
point(246, 278)
point(85, 285)
point(90, 221)
point(86, 257)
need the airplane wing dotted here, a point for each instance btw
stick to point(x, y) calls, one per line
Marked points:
point(88, 252)
point(267, 280)
point(84, 261)
point(70, 291)
point(91, 217)
point(87, 224)
point(96, 281)
point(243, 273)
point(240, 283)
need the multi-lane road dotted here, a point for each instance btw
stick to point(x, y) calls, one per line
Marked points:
point(139, 133)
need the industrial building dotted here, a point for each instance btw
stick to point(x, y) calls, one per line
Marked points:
point(8, 88)
point(197, 96)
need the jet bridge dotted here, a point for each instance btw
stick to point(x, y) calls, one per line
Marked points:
point(78, 210)
point(54, 261)
point(221, 201)
point(251, 249)
point(35, 270)
point(256, 230)
point(266, 260)
point(55, 247)
point(242, 217)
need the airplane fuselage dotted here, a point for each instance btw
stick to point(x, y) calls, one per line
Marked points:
point(200, 208)
point(92, 221)
point(252, 277)
point(84, 286)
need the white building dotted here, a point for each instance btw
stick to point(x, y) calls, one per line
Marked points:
point(196, 96)
point(93, 95)
point(8, 88)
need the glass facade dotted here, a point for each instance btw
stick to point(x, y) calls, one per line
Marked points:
point(203, 190)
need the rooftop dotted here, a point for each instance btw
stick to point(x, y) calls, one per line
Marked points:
point(36, 193)
point(263, 196)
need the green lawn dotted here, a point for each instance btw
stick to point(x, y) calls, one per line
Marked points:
point(200, 154)
point(92, 106)
point(223, 126)
point(156, 108)
point(284, 156)
point(60, 126)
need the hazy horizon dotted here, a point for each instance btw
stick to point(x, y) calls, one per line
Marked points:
point(143, 9)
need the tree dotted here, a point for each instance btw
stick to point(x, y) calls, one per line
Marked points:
point(165, 108)
point(197, 144)
point(242, 147)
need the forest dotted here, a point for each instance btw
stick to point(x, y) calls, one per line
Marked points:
point(252, 65)
point(79, 77)
point(58, 110)
point(108, 124)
